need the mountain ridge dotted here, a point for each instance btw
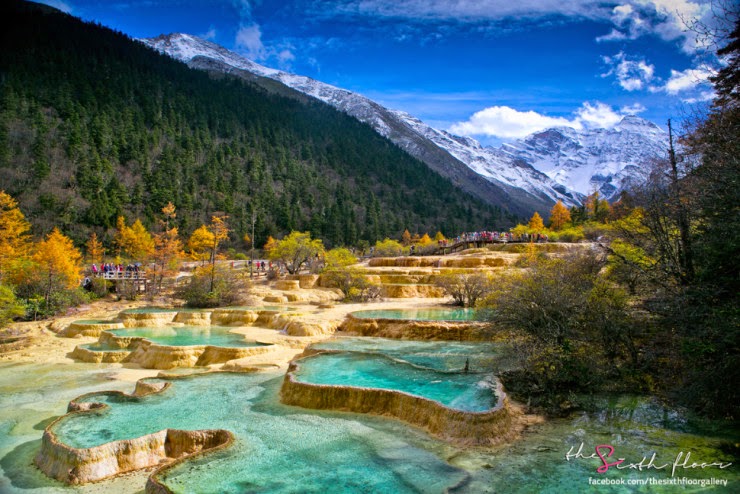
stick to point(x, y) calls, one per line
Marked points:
point(518, 176)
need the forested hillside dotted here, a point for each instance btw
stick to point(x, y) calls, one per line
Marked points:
point(94, 125)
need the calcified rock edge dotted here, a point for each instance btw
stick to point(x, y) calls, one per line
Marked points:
point(409, 329)
point(149, 355)
point(462, 428)
point(84, 465)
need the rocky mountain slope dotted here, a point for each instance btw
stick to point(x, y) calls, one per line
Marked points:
point(530, 174)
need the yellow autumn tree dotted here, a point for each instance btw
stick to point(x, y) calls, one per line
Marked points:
point(95, 249)
point(200, 242)
point(425, 240)
point(559, 216)
point(439, 237)
point(205, 241)
point(167, 248)
point(406, 237)
point(15, 241)
point(134, 241)
point(270, 244)
point(58, 263)
point(535, 223)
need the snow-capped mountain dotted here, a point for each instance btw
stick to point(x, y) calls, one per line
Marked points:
point(557, 164)
point(604, 160)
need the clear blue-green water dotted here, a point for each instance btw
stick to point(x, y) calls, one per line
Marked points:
point(188, 336)
point(458, 390)
point(438, 355)
point(285, 449)
point(278, 448)
point(418, 314)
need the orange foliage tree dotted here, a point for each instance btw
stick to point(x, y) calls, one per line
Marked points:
point(58, 263)
point(134, 241)
point(200, 242)
point(95, 249)
point(559, 216)
point(269, 245)
point(167, 248)
point(15, 241)
point(535, 223)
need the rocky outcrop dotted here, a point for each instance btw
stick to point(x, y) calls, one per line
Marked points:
point(163, 448)
point(89, 328)
point(456, 426)
point(97, 356)
point(124, 342)
point(296, 324)
point(285, 285)
point(412, 291)
point(308, 280)
point(416, 330)
point(194, 318)
point(147, 319)
point(233, 317)
point(438, 262)
point(84, 465)
point(151, 356)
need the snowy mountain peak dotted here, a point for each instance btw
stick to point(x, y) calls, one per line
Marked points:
point(555, 164)
point(634, 123)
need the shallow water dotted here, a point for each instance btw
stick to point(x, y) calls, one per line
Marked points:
point(288, 449)
point(438, 355)
point(458, 390)
point(418, 314)
point(279, 448)
point(31, 396)
point(189, 336)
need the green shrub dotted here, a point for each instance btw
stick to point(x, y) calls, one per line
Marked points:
point(219, 288)
point(388, 248)
point(10, 307)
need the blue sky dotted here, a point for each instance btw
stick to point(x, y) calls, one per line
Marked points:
point(495, 70)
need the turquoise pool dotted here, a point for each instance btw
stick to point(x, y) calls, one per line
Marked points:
point(458, 390)
point(281, 449)
point(418, 314)
point(278, 449)
point(188, 336)
point(438, 355)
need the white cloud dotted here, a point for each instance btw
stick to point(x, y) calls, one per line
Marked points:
point(57, 4)
point(598, 115)
point(468, 10)
point(701, 97)
point(633, 109)
point(508, 123)
point(631, 19)
point(687, 80)
point(249, 42)
point(286, 56)
point(631, 74)
point(210, 34)
point(667, 19)
point(502, 121)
